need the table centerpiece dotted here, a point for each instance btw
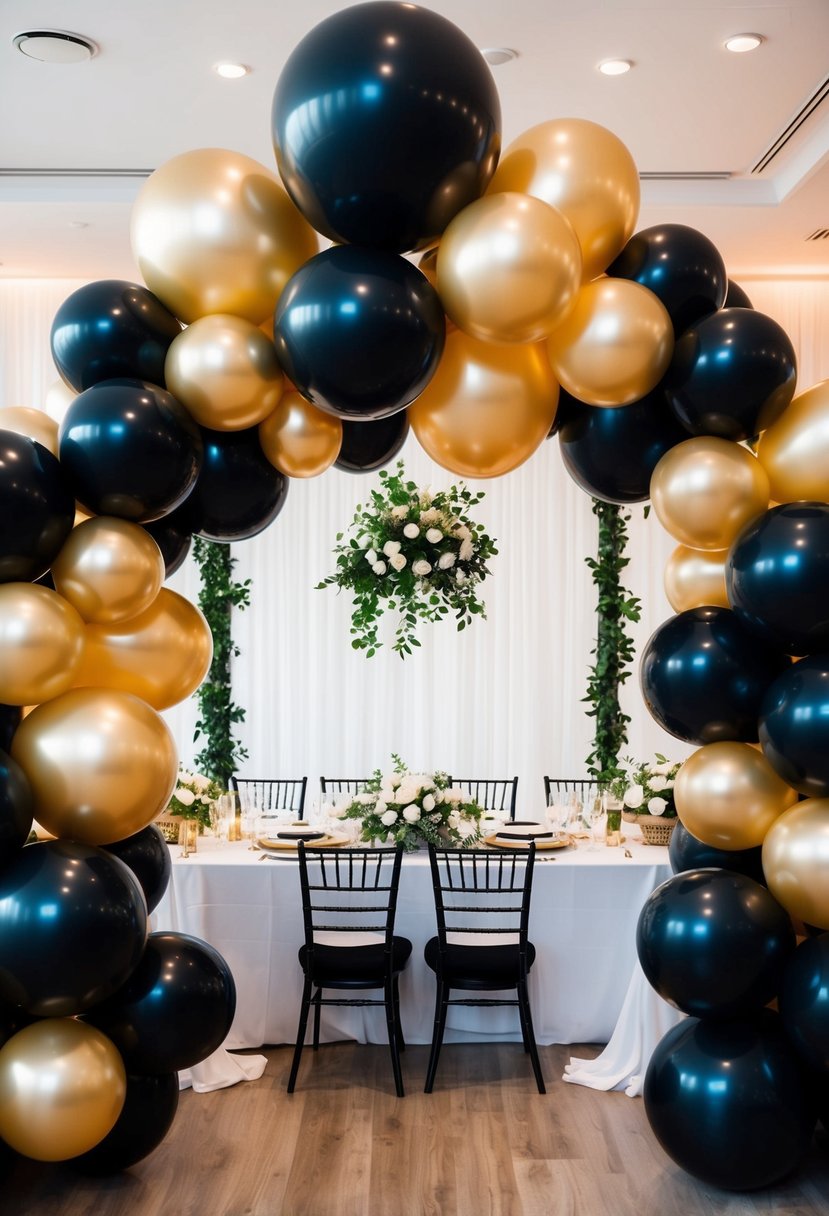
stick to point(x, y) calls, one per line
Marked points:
point(646, 790)
point(188, 811)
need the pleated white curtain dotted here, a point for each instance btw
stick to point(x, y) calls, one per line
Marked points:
point(504, 697)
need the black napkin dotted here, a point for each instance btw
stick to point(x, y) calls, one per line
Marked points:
point(304, 836)
point(524, 835)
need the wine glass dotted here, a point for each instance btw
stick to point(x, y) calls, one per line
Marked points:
point(597, 818)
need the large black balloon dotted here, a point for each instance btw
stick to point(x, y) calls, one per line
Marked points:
point(73, 922)
point(685, 852)
point(732, 374)
point(130, 449)
point(148, 857)
point(611, 453)
point(367, 446)
point(174, 1010)
point(728, 1102)
point(793, 720)
point(171, 540)
point(735, 297)
point(10, 717)
point(15, 809)
point(359, 332)
point(777, 577)
point(238, 491)
point(703, 676)
point(37, 508)
point(147, 1115)
point(681, 266)
point(110, 329)
point(804, 1002)
point(386, 122)
point(714, 943)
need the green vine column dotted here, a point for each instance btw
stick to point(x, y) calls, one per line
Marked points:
point(614, 651)
point(219, 595)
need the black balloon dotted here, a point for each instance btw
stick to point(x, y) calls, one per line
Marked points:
point(130, 449)
point(804, 1002)
point(793, 720)
point(681, 266)
point(727, 1101)
point(735, 297)
point(73, 922)
point(10, 717)
point(171, 540)
point(109, 329)
point(148, 857)
point(238, 491)
point(15, 809)
point(147, 1115)
point(37, 508)
point(174, 1010)
point(732, 374)
point(367, 446)
point(714, 943)
point(611, 453)
point(386, 122)
point(703, 676)
point(685, 852)
point(777, 577)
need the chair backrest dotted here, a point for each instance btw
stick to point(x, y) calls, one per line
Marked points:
point(268, 796)
point(481, 891)
point(493, 795)
point(343, 785)
point(557, 788)
point(348, 892)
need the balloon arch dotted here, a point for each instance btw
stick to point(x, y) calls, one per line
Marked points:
point(535, 308)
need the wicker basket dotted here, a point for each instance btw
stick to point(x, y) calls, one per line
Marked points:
point(655, 829)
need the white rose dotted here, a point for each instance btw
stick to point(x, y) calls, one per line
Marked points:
point(453, 794)
point(634, 796)
point(200, 782)
point(388, 818)
point(429, 516)
point(365, 799)
point(186, 797)
point(364, 541)
point(467, 827)
point(434, 535)
point(391, 547)
point(411, 814)
point(381, 807)
point(446, 561)
point(454, 821)
point(399, 512)
point(438, 797)
point(428, 803)
point(395, 780)
point(669, 785)
point(466, 550)
point(656, 806)
point(460, 576)
point(379, 567)
point(411, 530)
point(397, 561)
point(371, 556)
point(421, 568)
point(658, 784)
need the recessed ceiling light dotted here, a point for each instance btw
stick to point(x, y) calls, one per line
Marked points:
point(55, 46)
point(741, 43)
point(498, 54)
point(231, 71)
point(615, 67)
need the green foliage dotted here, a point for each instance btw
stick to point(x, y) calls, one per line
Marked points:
point(219, 595)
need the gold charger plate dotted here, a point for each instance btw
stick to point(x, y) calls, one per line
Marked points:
point(332, 840)
point(495, 843)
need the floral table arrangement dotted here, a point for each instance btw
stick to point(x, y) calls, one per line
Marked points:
point(188, 811)
point(413, 808)
point(647, 794)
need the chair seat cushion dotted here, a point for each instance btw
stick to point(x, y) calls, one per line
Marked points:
point(354, 966)
point(478, 967)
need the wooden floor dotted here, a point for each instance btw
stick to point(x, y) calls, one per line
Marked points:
point(343, 1145)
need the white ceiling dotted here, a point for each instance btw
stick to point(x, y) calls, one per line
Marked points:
point(687, 107)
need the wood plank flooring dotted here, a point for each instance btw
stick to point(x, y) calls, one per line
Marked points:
point(485, 1143)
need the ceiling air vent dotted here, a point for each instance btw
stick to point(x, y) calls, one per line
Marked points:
point(715, 175)
point(787, 134)
point(819, 234)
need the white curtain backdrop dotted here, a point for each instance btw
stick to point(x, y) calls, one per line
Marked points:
point(504, 697)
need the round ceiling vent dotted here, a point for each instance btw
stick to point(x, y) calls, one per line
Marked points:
point(54, 46)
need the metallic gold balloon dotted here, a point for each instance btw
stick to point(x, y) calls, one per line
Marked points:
point(300, 440)
point(796, 861)
point(109, 569)
point(214, 232)
point(706, 489)
point(487, 407)
point(614, 345)
point(34, 424)
point(62, 1088)
point(587, 173)
point(101, 764)
point(41, 642)
point(508, 268)
point(59, 397)
point(696, 577)
point(794, 451)
point(225, 372)
point(728, 795)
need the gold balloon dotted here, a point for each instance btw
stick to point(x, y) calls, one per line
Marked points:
point(696, 577)
point(794, 451)
point(101, 764)
point(508, 268)
point(796, 861)
point(62, 1088)
point(162, 655)
point(300, 440)
point(487, 407)
point(705, 490)
point(614, 345)
point(215, 232)
point(728, 795)
point(41, 642)
point(59, 396)
point(109, 569)
point(587, 173)
point(34, 424)
point(225, 372)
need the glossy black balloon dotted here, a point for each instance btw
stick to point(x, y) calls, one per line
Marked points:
point(238, 492)
point(611, 453)
point(386, 122)
point(703, 676)
point(130, 449)
point(804, 1002)
point(728, 1102)
point(15, 809)
point(148, 857)
point(732, 374)
point(73, 922)
point(685, 852)
point(367, 446)
point(147, 1115)
point(793, 720)
point(110, 329)
point(37, 508)
point(714, 943)
point(10, 718)
point(777, 577)
point(735, 296)
point(174, 1010)
point(681, 266)
point(171, 540)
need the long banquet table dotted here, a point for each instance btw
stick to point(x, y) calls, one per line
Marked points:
point(585, 905)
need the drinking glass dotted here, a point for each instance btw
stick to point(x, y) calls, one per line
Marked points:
point(573, 823)
point(597, 818)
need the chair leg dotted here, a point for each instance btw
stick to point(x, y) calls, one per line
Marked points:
point(524, 1005)
point(300, 1034)
point(400, 1040)
point(523, 1021)
point(394, 1048)
point(441, 1006)
point(317, 1000)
